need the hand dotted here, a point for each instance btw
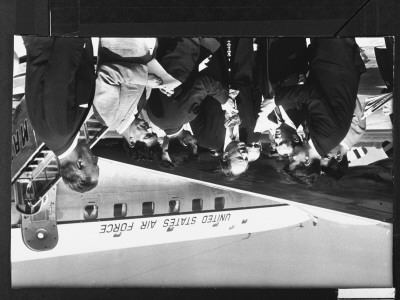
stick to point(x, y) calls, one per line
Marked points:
point(263, 123)
point(166, 164)
point(204, 63)
point(154, 81)
point(229, 107)
point(387, 108)
point(167, 91)
point(272, 147)
point(232, 121)
point(271, 135)
point(233, 93)
point(166, 161)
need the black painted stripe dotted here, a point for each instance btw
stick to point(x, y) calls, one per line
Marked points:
point(170, 214)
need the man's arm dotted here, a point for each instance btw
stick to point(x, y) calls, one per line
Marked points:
point(357, 127)
point(59, 87)
point(213, 88)
point(123, 73)
point(201, 87)
point(295, 100)
point(109, 91)
point(305, 102)
point(293, 97)
point(38, 49)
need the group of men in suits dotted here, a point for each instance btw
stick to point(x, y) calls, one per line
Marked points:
point(321, 103)
point(193, 114)
point(314, 89)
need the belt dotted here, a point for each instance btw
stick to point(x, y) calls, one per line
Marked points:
point(294, 79)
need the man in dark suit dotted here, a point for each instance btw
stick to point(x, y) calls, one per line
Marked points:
point(171, 111)
point(209, 125)
point(59, 90)
point(325, 104)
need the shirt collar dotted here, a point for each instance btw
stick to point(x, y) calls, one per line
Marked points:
point(70, 149)
point(286, 118)
point(231, 134)
point(184, 127)
point(175, 134)
point(311, 144)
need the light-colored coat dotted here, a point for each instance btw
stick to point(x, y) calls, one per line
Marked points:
point(120, 85)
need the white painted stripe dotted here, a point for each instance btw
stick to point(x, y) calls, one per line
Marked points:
point(87, 237)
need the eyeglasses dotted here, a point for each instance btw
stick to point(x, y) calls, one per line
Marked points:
point(306, 161)
point(338, 156)
point(256, 145)
point(214, 152)
point(79, 164)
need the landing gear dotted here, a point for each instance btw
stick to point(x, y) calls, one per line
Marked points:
point(39, 229)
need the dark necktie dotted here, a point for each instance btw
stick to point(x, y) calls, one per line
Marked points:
point(142, 102)
point(279, 114)
point(276, 116)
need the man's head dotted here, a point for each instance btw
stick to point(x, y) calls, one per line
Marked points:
point(139, 151)
point(335, 163)
point(306, 173)
point(299, 156)
point(140, 131)
point(304, 164)
point(140, 141)
point(182, 148)
point(254, 151)
point(187, 139)
point(79, 169)
point(235, 159)
point(286, 139)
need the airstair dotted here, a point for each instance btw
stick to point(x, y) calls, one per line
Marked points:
point(35, 175)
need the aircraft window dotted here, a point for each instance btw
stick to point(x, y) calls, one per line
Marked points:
point(197, 204)
point(120, 210)
point(148, 208)
point(91, 212)
point(174, 206)
point(219, 203)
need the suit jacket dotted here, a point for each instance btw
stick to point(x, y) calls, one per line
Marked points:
point(243, 80)
point(286, 56)
point(171, 113)
point(180, 61)
point(120, 92)
point(326, 102)
point(60, 78)
point(209, 127)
